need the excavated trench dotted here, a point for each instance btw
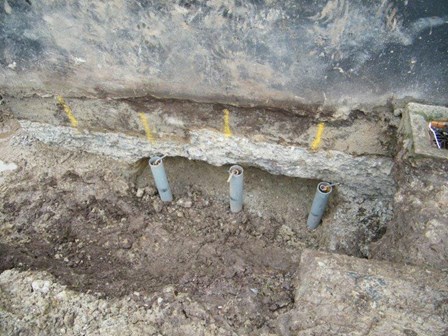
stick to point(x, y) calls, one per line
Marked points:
point(98, 225)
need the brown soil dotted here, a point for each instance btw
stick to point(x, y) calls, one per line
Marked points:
point(88, 228)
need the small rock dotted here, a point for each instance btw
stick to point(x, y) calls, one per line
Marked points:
point(7, 8)
point(41, 286)
point(151, 191)
point(254, 290)
point(157, 205)
point(180, 214)
point(140, 192)
point(185, 203)
point(286, 231)
point(126, 244)
point(202, 203)
point(281, 303)
point(61, 296)
point(69, 319)
point(398, 112)
point(7, 166)
point(46, 217)
point(169, 289)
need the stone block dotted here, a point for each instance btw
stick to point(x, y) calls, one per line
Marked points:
point(340, 295)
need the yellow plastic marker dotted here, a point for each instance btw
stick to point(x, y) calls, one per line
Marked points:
point(318, 138)
point(68, 111)
point(145, 124)
point(227, 131)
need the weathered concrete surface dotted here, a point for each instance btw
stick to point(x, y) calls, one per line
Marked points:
point(357, 172)
point(347, 131)
point(415, 125)
point(331, 52)
point(340, 295)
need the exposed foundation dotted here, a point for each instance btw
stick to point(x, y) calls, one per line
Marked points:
point(345, 147)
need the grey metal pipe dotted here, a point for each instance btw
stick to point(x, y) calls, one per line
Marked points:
point(158, 172)
point(320, 202)
point(236, 180)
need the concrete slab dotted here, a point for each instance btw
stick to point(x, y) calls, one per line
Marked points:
point(340, 295)
point(419, 116)
point(351, 132)
point(353, 149)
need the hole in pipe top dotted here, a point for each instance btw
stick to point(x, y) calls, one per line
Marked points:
point(155, 161)
point(325, 187)
point(236, 170)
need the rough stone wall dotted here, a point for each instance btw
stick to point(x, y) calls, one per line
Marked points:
point(330, 52)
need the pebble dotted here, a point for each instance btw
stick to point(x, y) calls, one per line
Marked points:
point(151, 191)
point(185, 203)
point(126, 244)
point(7, 166)
point(69, 319)
point(41, 286)
point(157, 205)
point(140, 192)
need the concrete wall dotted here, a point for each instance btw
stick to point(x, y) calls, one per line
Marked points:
point(336, 52)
